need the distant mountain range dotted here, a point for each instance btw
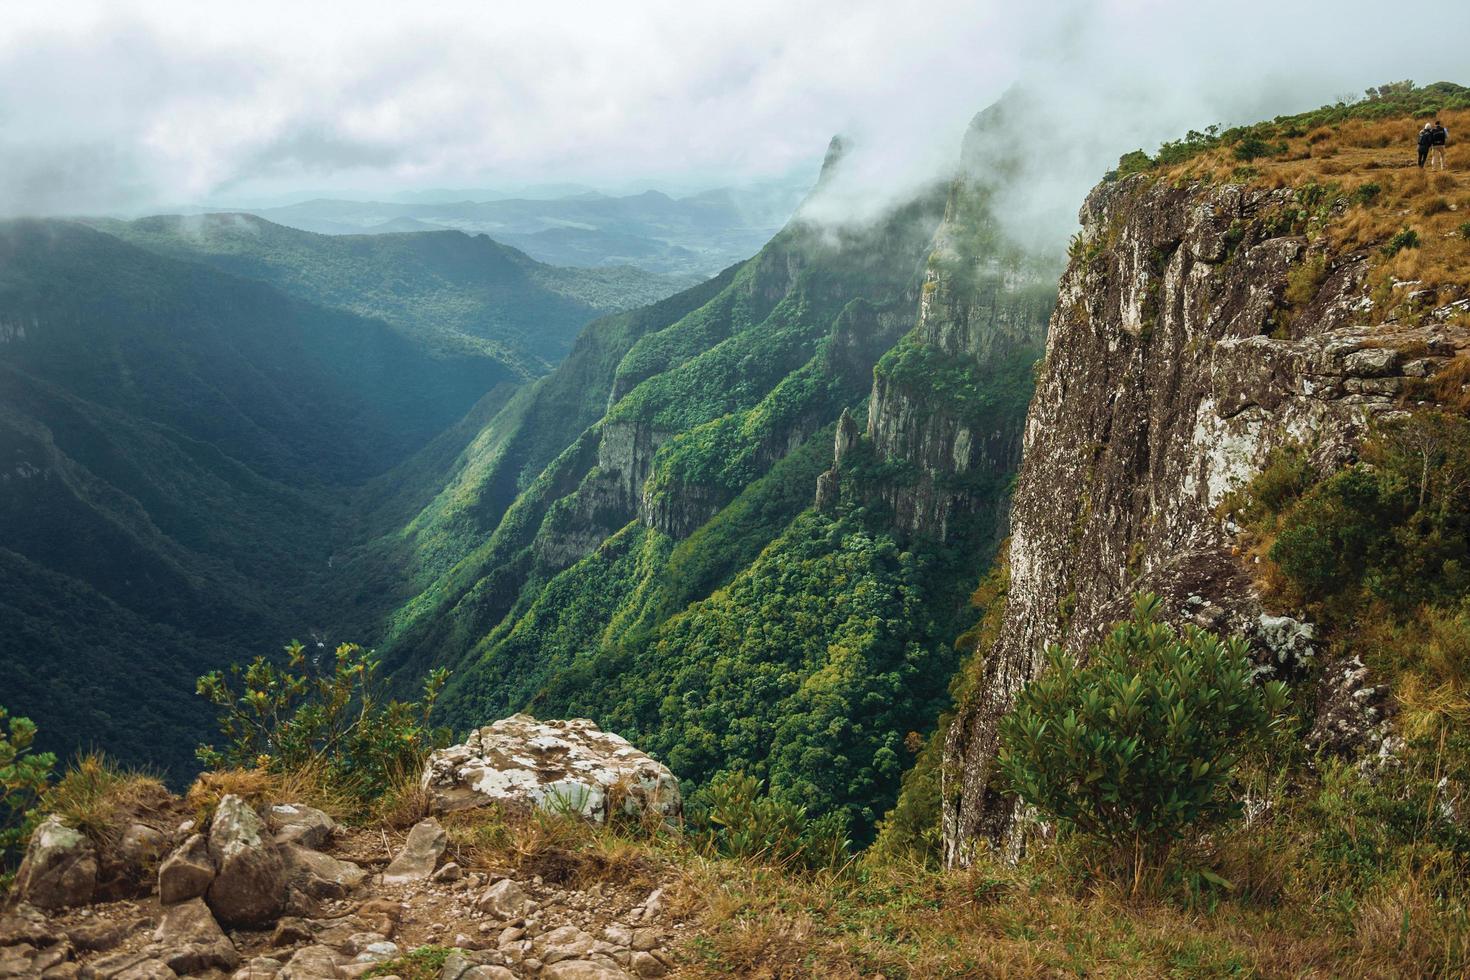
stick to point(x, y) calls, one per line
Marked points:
point(692, 236)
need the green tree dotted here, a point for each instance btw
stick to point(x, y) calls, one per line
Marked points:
point(330, 716)
point(24, 774)
point(1136, 749)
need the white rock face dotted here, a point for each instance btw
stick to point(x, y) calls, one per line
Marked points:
point(570, 766)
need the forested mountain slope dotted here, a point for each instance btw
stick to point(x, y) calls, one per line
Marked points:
point(179, 455)
point(452, 291)
point(668, 571)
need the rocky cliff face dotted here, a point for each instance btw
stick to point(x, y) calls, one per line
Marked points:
point(947, 404)
point(1174, 366)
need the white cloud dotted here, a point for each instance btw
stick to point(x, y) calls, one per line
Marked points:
point(131, 105)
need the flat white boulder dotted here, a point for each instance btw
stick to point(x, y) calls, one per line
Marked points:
point(564, 766)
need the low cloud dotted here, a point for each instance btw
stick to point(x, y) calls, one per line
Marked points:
point(136, 106)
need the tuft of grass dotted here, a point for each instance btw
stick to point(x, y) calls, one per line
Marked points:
point(255, 786)
point(100, 798)
point(423, 963)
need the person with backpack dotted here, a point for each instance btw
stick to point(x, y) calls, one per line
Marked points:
point(1426, 139)
point(1439, 138)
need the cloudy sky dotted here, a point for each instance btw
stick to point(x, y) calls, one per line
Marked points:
point(128, 105)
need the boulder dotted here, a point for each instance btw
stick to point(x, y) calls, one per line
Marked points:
point(557, 765)
point(249, 887)
point(59, 869)
point(421, 852)
point(189, 940)
point(187, 872)
point(319, 875)
point(294, 823)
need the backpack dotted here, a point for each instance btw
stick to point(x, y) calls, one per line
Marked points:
point(1440, 136)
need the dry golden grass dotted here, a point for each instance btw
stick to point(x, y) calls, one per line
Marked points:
point(308, 785)
point(100, 798)
point(1358, 153)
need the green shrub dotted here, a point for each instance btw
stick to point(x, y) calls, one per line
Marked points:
point(1408, 238)
point(1465, 230)
point(329, 718)
point(1253, 148)
point(1395, 527)
point(24, 774)
point(733, 818)
point(1137, 749)
point(1135, 162)
point(1367, 194)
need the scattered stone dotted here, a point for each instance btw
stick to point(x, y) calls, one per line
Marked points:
point(59, 869)
point(147, 970)
point(259, 968)
point(141, 846)
point(565, 943)
point(99, 937)
point(505, 900)
point(647, 965)
point(450, 872)
point(290, 931)
point(426, 843)
point(562, 765)
point(187, 872)
point(310, 963)
point(250, 886)
point(295, 823)
point(582, 970)
point(27, 925)
point(320, 875)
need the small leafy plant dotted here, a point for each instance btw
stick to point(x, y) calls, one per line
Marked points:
point(328, 717)
point(24, 775)
point(737, 820)
point(1136, 750)
point(1408, 238)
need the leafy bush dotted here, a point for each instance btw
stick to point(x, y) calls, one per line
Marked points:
point(1253, 148)
point(1135, 162)
point(1408, 238)
point(1465, 230)
point(734, 819)
point(1137, 749)
point(1367, 194)
point(328, 717)
point(1394, 528)
point(24, 774)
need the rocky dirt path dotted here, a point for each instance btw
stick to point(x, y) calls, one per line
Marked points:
point(351, 912)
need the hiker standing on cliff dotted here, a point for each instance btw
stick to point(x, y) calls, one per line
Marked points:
point(1439, 137)
point(1426, 136)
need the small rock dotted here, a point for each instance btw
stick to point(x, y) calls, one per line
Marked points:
point(294, 823)
point(378, 952)
point(646, 965)
point(187, 872)
point(450, 872)
point(582, 970)
point(260, 968)
point(320, 875)
point(141, 846)
point(310, 963)
point(505, 899)
point(644, 939)
point(59, 869)
point(426, 843)
point(99, 937)
point(290, 931)
point(147, 970)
